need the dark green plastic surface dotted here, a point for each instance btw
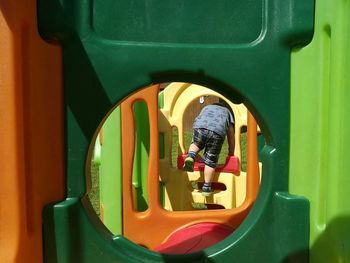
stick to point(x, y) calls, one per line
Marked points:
point(224, 22)
point(238, 48)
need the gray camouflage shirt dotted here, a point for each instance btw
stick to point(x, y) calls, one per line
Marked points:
point(215, 118)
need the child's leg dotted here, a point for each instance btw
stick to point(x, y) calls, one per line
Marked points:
point(208, 178)
point(208, 174)
point(191, 157)
point(211, 155)
point(193, 150)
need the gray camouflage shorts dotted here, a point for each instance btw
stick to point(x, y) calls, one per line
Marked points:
point(212, 142)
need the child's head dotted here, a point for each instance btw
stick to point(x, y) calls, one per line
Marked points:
point(223, 103)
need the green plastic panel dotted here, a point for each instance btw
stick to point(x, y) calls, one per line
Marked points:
point(142, 143)
point(161, 150)
point(110, 173)
point(246, 58)
point(240, 21)
point(320, 129)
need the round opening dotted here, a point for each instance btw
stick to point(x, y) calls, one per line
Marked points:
point(174, 154)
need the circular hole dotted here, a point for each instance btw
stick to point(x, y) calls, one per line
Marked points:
point(177, 190)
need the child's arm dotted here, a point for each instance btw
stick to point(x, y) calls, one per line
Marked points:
point(231, 140)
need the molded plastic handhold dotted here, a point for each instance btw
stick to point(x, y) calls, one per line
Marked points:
point(231, 165)
point(194, 238)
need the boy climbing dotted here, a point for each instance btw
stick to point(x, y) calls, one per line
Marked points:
point(210, 127)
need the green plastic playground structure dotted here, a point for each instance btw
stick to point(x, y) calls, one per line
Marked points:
point(239, 48)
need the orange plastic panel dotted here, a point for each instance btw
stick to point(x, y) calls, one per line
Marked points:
point(253, 175)
point(151, 227)
point(31, 121)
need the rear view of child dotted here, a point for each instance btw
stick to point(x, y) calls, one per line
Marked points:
point(210, 127)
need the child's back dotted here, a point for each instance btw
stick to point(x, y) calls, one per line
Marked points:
point(215, 117)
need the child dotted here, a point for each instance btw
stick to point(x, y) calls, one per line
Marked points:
point(209, 130)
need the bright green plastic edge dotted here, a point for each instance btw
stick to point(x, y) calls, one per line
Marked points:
point(320, 131)
point(110, 173)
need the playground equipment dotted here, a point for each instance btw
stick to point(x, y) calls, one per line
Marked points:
point(177, 97)
point(247, 49)
point(178, 192)
point(140, 227)
point(105, 65)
